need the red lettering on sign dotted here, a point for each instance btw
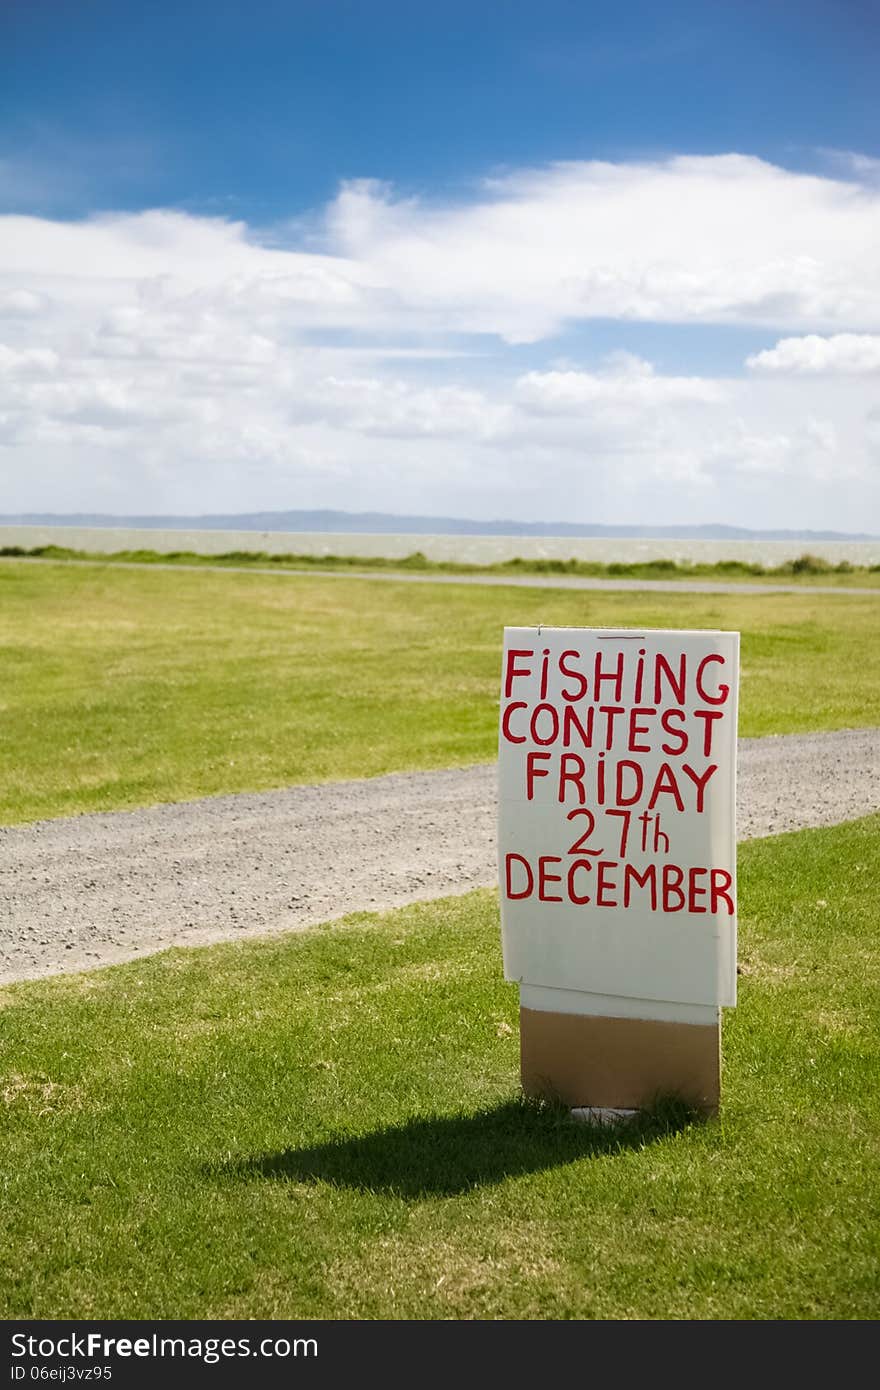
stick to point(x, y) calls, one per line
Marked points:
point(579, 846)
point(505, 722)
point(554, 724)
point(676, 684)
point(576, 777)
point(669, 887)
point(694, 892)
point(723, 690)
point(605, 883)
point(635, 768)
point(544, 878)
point(576, 675)
point(673, 897)
point(665, 782)
point(674, 733)
point(699, 782)
point(721, 880)
point(610, 712)
point(513, 670)
point(636, 729)
point(708, 716)
point(569, 718)
point(616, 676)
point(579, 899)
point(648, 879)
point(508, 873)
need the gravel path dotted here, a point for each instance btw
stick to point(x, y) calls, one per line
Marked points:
point(550, 581)
point(94, 889)
point(516, 581)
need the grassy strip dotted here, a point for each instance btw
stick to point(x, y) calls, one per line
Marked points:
point(804, 568)
point(122, 687)
point(328, 1125)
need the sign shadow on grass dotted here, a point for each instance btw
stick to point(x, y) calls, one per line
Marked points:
point(446, 1155)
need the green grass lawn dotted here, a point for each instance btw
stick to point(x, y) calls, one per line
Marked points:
point(328, 1125)
point(123, 687)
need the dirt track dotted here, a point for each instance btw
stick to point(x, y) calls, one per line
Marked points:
point(494, 581)
point(94, 889)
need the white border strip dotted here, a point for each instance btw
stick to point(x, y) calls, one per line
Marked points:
point(574, 1001)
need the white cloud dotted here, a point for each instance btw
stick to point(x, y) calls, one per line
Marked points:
point(380, 407)
point(849, 354)
point(27, 361)
point(628, 380)
point(19, 304)
point(159, 361)
point(726, 239)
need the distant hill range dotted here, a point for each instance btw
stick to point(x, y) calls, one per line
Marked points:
point(385, 523)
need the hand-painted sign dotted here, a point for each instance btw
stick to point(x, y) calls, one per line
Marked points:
point(617, 778)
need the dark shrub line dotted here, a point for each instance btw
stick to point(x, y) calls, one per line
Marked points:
point(805, 564)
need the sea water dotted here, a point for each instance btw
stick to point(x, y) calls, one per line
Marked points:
point(477, 550)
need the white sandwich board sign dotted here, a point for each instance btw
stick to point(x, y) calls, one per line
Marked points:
point(617, 843)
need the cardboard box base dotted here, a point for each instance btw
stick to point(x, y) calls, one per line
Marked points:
point(625, 1063)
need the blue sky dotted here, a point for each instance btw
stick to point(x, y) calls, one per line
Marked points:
point(248, 253)
point(261, 109)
